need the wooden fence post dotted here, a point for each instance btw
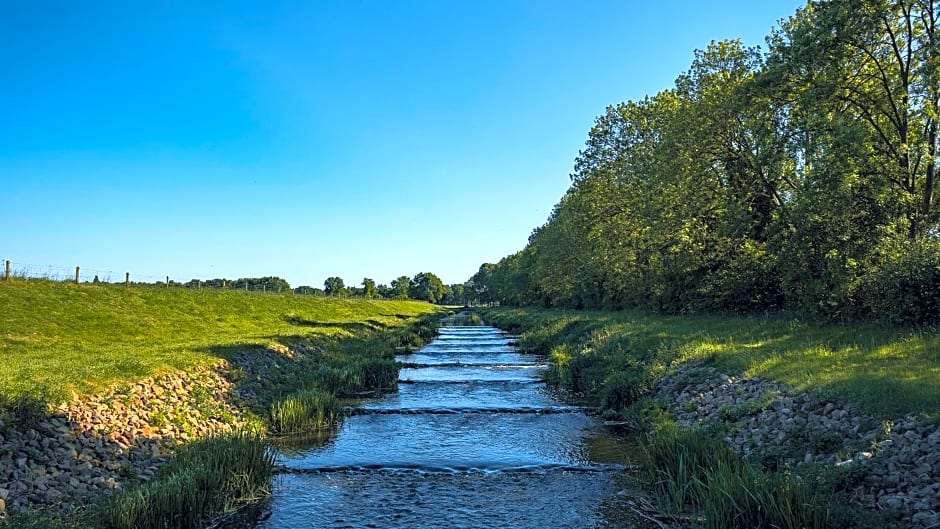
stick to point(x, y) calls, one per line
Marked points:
point(199, 284)
point(167, 281)
point(7, 275)
point(76, 274)
point(223, 284)
point(246, 285)
point(127, 279)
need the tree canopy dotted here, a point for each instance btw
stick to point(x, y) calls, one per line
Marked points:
point(427, 287)
point(800, 178)
point(334, 286)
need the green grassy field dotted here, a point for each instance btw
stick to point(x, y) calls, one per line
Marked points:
point(886, 371)
point(57, 338)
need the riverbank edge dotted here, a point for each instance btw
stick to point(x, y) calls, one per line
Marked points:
point(889, 470)
point(61, 467)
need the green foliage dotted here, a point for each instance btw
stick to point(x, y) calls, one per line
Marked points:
point(904, 287)
point(268, 284)
point(427, 287)
point(400, 287)
point(304, 411)
point(309, 291)
point(200, 481)
point(334, 287)
point(459, 294)
point(692, 470)
point(617, 356)
point(622, 390)
point(369, 290)
point(357, 376)
point(759, 182)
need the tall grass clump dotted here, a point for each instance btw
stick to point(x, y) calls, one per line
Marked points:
point(357, 377)
point(304, 411)
point(418, 333)
point(201, 481)
point(690, 470)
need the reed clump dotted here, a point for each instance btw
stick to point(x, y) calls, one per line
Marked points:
point(692, 471)
point(303, 412)
point(201, 481)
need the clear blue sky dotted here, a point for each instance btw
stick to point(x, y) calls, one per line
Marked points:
point(310, 139)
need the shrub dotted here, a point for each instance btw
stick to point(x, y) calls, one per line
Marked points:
point(624, 388)
point(904, 288)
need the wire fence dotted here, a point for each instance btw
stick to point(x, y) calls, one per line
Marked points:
point(13, 270)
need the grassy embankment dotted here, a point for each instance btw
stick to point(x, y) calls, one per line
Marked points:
point(61, 340)
point(614, 359)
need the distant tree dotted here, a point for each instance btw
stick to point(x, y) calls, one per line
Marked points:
point(457, 294)
point(334, 286)
point(368, 288)
point(480, 284)
point(400, 287)
point(354, 292)
point(428, 287)
point(384, 291)
point(266, 284)
point(309, 291)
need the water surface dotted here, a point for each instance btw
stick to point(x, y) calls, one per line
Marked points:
point(472, 439)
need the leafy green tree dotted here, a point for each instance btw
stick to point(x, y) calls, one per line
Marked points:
point(874, 65)
point(428, 287)
point(267, 284)
point(802, 178)
point(384, 291)
point(334, 287)
point(457, 294)
point(400, 287)
point(368, 288)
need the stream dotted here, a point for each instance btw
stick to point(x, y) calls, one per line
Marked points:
point(472, 439)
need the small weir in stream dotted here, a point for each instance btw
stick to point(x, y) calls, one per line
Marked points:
point(472, 439)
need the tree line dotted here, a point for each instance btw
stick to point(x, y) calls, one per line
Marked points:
point(424, 286)
point(800, 178)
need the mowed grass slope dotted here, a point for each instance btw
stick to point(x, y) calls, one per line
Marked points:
point(887, 371)
point(60, 338)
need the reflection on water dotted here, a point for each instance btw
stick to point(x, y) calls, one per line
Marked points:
point(472, 439)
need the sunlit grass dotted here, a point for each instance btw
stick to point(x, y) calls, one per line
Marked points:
point(59, 338)
point(888, 371)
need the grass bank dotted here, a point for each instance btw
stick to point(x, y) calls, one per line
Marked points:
point(615, 360)
point(886, 371)
point(293, 355)
point(60, 339)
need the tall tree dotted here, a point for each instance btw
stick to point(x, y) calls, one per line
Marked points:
point(334, 286)
point(428, 287)
point(876, 62)
point(368, 288)
point(400, 287)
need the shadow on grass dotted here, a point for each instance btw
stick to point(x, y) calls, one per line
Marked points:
point(350, 327)
point(350, 364)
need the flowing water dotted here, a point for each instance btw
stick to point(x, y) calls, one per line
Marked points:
point(472, 439)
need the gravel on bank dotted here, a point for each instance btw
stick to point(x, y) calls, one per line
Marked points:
point(899, 460)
